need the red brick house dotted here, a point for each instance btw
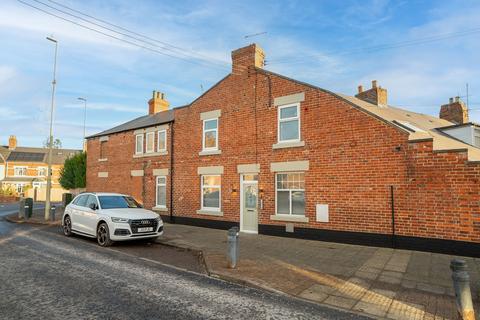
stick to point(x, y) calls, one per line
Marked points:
point(278, 156)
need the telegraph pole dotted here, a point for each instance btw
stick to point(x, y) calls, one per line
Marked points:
point(50, 137)
point(84, 120)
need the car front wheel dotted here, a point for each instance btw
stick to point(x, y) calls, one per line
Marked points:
point(103, 235)
point(67, 226)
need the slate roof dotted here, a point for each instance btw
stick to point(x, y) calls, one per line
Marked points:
point(4, 152)
point(27, 154)
point(140, 122)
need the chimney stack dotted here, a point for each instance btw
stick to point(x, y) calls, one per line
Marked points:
point(12, 142)
point(455, 111)
point(376, 95)
point(247, 57)
point(158, 103)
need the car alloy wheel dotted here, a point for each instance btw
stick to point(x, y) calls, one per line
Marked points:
point(103, 235)
point(67, 226)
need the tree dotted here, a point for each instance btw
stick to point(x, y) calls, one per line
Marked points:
point(57, 143)
point(73, 173)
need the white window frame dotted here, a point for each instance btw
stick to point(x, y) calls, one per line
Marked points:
point(41, 168)
point(210, 130)
point(22, 187)
point(158, 140)
point(20, 175)
point(136, 143)
point(147, 136)
point(202, 186)
point(279, 120)
point(289, 196)
point(157, 184)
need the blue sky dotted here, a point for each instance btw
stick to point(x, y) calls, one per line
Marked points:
point(320, 42)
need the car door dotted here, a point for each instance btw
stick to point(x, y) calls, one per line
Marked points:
point(77, 213)
point(90, 216)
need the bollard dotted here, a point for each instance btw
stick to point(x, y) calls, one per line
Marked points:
point(461, 284)
point(53, 209)
point(21, 208)
point(233, 242)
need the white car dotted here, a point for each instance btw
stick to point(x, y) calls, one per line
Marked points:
point(110, 217)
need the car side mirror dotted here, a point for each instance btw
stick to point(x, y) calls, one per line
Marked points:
point(93, 206)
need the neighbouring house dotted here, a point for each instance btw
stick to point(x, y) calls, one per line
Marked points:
point(25, 170)
point(277, 156)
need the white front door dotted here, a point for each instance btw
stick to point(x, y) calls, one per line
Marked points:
point(249, 204)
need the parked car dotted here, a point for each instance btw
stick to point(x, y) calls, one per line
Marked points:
point(110, 217)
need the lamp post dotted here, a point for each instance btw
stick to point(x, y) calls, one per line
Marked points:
point(50, 137)
point(84, 119)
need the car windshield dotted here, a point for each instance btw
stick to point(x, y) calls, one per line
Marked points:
point(114, 202)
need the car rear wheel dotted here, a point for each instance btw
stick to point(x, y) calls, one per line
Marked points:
point(67, 226)
point(103, 235)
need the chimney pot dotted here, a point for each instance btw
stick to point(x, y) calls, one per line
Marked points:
point(374, 83)
point(360, 89)
point(158, 103)
point(457, 99)
point(450, 100)
point(12, 142)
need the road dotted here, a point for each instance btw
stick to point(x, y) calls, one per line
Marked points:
point(9, 208)
point(44, 275)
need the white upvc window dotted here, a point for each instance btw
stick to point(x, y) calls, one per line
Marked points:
point(162, 141)
point(42, 171)
point(20, 188)
point(139, 144)
point(19, 171)
point(211, 192)
point(290, 193)
point(150, 142)
point(289, 123)
point(161, 192)
point(210, 134)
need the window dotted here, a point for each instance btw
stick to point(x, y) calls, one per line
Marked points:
point(114, 202)
point(91, 199)
point(476, 141)
point(289, 123)
point(150, 142)
point(103, 145)
point(81, 201)
point(20, 188)
point(41, 171)
point(210, 134)
point(211, 192)
point(20, 171)
point(161, 192)
point(291, 193)
point(162, 141)
point(139, 144)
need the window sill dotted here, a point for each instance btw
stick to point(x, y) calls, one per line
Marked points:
point(209, 152)
point(210, 212)
point(288, 218)
point(102, 160)
point(151, 154)
point(163, 209)
point(282, 145)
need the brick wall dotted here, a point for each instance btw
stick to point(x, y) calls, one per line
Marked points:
point(354, 159)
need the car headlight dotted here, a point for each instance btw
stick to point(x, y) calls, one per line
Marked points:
point(123, 220)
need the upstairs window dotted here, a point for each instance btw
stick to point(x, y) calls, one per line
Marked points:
point(20, 171)
point(150, 142)
point(41, 171)
point(289, 123)
point(210, 134)
point(139, 144)
point(162, 141)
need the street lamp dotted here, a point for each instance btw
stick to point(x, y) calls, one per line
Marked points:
point(84, 116)
point(50, 138)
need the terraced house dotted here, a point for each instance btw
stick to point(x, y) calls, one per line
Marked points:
point(281, 157)
point(24, 170)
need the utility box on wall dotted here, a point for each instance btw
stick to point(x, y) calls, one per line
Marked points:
point(322, 212)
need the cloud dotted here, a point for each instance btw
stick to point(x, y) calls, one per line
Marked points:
point(106, 107)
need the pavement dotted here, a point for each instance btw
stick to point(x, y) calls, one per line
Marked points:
point(45, 275)
point(382, 283)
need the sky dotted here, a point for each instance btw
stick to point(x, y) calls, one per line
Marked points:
point(422, 52)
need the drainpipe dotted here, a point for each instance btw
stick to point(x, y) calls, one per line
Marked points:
point(171, 173)
point(393, 216)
